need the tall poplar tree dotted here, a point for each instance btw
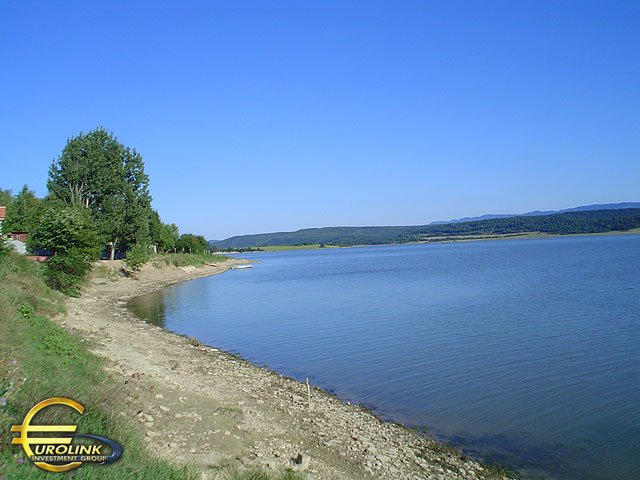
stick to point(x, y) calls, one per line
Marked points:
point(96, 172)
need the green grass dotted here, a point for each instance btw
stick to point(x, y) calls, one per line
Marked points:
point(39, 360)
point(102, 271)
point(186, 259)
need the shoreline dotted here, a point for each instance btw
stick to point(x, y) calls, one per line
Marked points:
point(202, 406)
point(437, 240)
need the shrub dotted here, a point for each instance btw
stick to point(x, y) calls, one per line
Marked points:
point(4, 249)
point(66, 271)
point(68, 234)
point(26, 310)
point(137, 256)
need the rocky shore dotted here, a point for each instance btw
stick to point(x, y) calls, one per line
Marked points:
point(202, 406)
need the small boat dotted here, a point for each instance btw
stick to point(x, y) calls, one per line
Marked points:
point(241, 267)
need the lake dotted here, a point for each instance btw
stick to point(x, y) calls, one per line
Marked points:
point(526, 352)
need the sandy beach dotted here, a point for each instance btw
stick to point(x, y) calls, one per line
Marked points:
point(202, 406)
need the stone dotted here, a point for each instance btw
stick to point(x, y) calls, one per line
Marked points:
point(301, 461)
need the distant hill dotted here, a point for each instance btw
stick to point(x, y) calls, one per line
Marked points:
point(537, 213)
point(587, 219)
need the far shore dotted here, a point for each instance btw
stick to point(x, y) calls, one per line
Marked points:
point(200, 405)
point(436, 240)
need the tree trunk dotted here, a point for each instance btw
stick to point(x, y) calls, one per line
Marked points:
point(113, 249)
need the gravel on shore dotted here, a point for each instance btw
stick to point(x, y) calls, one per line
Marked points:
point(202, 406)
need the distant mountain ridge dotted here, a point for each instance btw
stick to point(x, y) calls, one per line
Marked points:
point(583, 219)
point(536, 213)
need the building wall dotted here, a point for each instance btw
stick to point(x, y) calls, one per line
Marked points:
point(3, 215)
point(20, 236)
point(18, 246)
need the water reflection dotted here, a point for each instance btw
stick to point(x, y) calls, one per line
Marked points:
point(150, 307)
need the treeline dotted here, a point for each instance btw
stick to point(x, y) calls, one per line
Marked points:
point(97, 205)
point(212, 246)
point(595, 221)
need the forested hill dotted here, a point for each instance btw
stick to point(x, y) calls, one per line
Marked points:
point(537, 213)
point(595, 221)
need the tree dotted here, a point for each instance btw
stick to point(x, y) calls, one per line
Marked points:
point(190, 243)
point(23, 212)
point(87, 170)
point(5, 201)
point(65, 228)
point(5, 198)
point(100, 174)
point(163, 235)
point(68, 233)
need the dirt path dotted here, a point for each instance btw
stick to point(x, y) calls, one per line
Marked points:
point(201, 405)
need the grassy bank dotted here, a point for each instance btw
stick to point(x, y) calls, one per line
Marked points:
point(39, 360)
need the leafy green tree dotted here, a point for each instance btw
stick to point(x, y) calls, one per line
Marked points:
point(88, 169)
point(100, 174)
point(163, 235)
point(5, 201)
point(190, 243)
point(68, 233)
point(5, 198)
point(23, 212)
point(170, 236)
point(63, 229)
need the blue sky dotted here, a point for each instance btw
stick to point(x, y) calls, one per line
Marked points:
point(266, 116)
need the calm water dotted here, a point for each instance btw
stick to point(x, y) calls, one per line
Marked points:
point(524, 351)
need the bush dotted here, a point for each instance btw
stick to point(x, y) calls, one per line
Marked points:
point(66, 232)
point(66, 271)
point(4, 249)
point(137, 256)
